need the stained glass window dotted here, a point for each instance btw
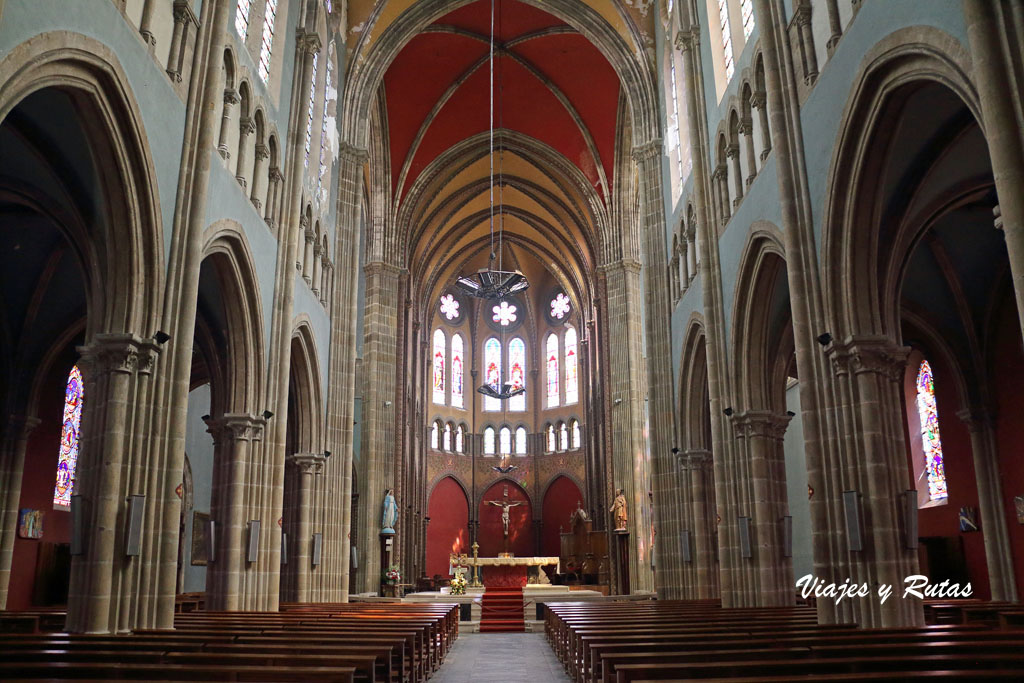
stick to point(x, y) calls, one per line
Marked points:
point(242, 17)
point(439, 348)
point(551, 438)
point(435, 432)
point(552, 356)
point(327, 4)
point(928, 412)
point(457, 367)
point(517, 372)
point(505, 440)
point(521, 441)
point(504, 313)
point(309, 115)
point(268, 40)
point(571, 373)
point(747, 12)
point(67, 459)
point(723, 21)
point(563, 437)
point(492, 371)
point(449, 307)
point(575, 429)
point(560, 306)
point(675, 122)
point(460, 435)
point(447, 437)
point(489, 441)
point(328, 95)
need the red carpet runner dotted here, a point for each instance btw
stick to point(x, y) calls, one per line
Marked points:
point(501, 609)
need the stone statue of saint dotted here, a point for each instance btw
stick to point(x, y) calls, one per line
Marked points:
point(390, 516)
point(619, 511)
point(505, 505)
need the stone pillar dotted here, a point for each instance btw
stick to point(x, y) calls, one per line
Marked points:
point(802, 16)
point(760, 436)
point(262, 154)
point(834, 26)
point(300, 250)
point(732, 153)
point(273, 198)
point(307, 255)
point(315, 281)
point(307, 465)
point(325, 275)
point(759, 102)
point(703, 542)
point(328, 283)
point(691, 254)
point(999, 87)
point(747, 131)
point(174, 55)
point(230, 98)
point(998, 554)
point(869, 383)
point(233, 435)
point(721, 178)
point(12, 460)
point(146, 22)
point(246, 127)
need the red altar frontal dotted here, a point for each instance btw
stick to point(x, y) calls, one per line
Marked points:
point(508, 572)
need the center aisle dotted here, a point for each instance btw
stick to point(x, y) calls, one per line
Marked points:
point(500, 657)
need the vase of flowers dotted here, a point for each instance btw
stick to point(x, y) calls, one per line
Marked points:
point(458, 585)
point(391, 577)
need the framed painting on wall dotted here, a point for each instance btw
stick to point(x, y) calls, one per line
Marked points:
point(199, 545)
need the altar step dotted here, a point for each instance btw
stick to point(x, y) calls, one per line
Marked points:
point(502, 610)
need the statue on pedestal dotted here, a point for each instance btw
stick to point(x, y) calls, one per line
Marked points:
point(390, 516)
point(505, 505)
point(619, 511)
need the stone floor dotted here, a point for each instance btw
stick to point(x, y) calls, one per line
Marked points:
point(500, 657)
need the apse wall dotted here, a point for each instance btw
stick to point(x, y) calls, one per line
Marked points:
point(491, 539)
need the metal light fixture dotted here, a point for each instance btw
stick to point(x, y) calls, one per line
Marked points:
point(507, 391)
point(504, 466)
point(492, 284)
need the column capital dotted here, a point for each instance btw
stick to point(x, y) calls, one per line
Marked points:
point(22, 425)
point(262, 151)
point(647, 151)
point(977, 418)
point(721, 171)
point(236, 426)
point(688, 40)
point(308, 463)
point(802, 14)
point(876, 354)
point(246, 125)
point(746, 125)
point(758, 99)
point(304, 223)
point(275, 174)
point(696, 459)
point(997, 217)
point(231, 96)
point(761, 423)
point(732, 151)
point(182, 11)
point(351, 154)
point(110, 353)
point(307, 42)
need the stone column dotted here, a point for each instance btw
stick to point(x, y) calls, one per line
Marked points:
point(732, 153)
point(233, 434)
point(308, 465)
point(307, 254)
point(691, 254)
point(703, 542)
point(246, 127)
point(230, 97)
point(273, 198)
point(747, 131)
point(174, 55)
point(12, 460)
point(315, 281)
point(721, 179)
point(760, 434)
point(802, 16)
point(759, 102)
point(148, 6)
point(300, 250)
point(869, 383)
point(998, 554)
point(328, 283)
point(324, 279)
point(999, 88)
point(834, 26)
point(262, 154)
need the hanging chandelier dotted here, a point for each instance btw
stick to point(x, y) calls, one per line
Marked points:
point(507, 391)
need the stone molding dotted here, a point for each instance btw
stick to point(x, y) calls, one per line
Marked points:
point(308, 463)
point(873, 354)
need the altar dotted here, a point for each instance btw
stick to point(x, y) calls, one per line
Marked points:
point(507, 572)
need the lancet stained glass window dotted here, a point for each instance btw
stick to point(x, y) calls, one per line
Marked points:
point(505, 440)
point(552, 362)
point(928, 412)
point(457, 368)
point(242, 17)
point(492, 371)
point(747, 12)
point(323, 125)
point(67, 459)
point(675, 123)
point(309, 114)
point(571, 364)
point(439, 349)
point(489, 441)
point(517, 372)
point(267, 43)
point(521, 441)
point(723, 20)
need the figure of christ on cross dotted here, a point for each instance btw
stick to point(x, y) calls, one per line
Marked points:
point(505, 505)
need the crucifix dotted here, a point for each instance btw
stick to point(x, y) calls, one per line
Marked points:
point(505, 506)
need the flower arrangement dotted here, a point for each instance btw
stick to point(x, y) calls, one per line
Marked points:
point(393, 574)
point(458, 585)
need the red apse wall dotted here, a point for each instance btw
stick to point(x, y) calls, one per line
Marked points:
point(961, 484)
point(1008, 371)
point(559, 503)
point(37, 483)
point(520, 522)
point(448, 531)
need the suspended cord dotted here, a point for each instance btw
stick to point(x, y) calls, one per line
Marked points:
point(490, 60)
